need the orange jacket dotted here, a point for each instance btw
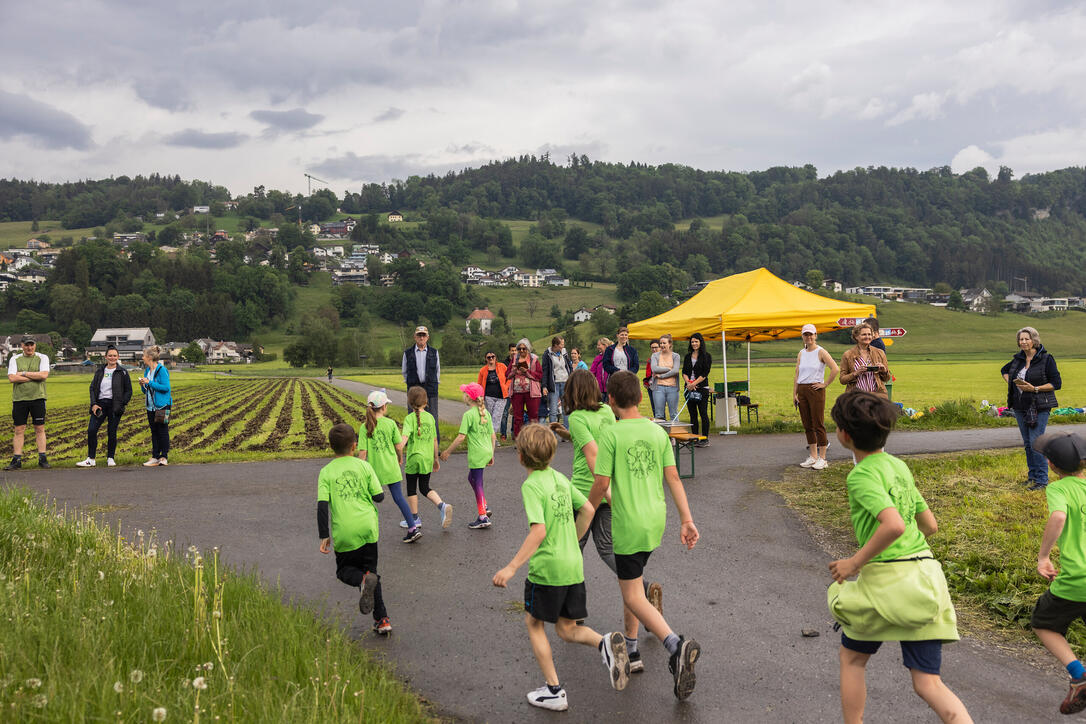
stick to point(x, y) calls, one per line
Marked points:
point(500, 368)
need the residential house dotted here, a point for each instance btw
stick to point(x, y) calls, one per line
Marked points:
point(551, 277)
point(6, 280)
point(484, 316)
point(582, 315)
point(230, 205)
point(1050, 304)
point(223, 352)
point(129, 341)
point(340, 229)
point(220, 235)
point(1020, 301)
point(395, 216)
point(350, 276)
point(37, 244)
point(833, 285)
point(124, 240)
point(31, 275)
point(526, 279)
point(609, 308)
point(509, 272)
point(472, 272)
point(976, 300)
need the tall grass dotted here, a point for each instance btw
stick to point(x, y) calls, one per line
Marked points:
point(990, 529)
point(100, 628)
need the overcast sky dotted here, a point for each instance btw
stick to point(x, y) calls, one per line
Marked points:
point(242, 93)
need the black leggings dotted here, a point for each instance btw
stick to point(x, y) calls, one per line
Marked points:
point(112, 417)
point(699, 407)
point(419, 480)
point(160, 436)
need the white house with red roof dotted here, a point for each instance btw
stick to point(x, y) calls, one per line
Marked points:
point(485, 318)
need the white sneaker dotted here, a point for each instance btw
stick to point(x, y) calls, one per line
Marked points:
point(163, 461)
point(809, 462)
point(88, 463)
point(820, 465)
point(544, 699)
point(110, 462)
point(152, 463)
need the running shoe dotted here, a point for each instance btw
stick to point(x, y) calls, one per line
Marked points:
point(86, 463)
point(544, 699)
point(480, 522)
point(15, 464)
point(382, 627)
point(412, 535)
point(655, 594)
point(152, 463)
point(1036, 485)
point(366, 591)
point(636, 664)
point(615, 659)
point(821, 464)
point(446, 515)
point(1075, 701)
point(418, 522)
point(110, 462)
point(809, 462)
point(43, 462)
point(163, 461)
point(681, 666)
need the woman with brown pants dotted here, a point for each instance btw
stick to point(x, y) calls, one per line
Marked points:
point(809, 395)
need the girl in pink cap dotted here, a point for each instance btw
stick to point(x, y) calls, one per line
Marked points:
point(477, 428)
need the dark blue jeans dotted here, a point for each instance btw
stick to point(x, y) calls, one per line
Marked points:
point(1038, 465)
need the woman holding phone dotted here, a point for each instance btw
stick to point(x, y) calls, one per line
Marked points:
point(1032, 380)
point(864, 367)
point(110, 391)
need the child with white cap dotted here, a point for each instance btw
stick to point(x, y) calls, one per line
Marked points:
point(381, 446)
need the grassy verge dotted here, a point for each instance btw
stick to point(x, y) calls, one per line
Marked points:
point(990, 529)
point(116, 630)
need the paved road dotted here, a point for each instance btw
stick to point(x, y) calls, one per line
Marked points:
point(753, 582)
point(448, 410)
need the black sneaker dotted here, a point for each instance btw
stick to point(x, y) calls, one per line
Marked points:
point(367, 589)
point(15, 464)
point(412, 535)
point(43, 462)
point(681, 666)
point(1037, 485)
point(636, 664)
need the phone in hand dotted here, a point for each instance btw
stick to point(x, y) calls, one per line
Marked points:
point(873, 368)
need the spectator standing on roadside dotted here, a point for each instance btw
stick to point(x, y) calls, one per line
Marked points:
point(575, 358)
point(110, 391)
point(525, 375)
point(597, 366)
point(155, 384)
point(508, 393)
point(556, 368)
point(495, 385)
point(696, 367)
point(877, 342)
point(329, 373)
point(1032, 380)
point(621, 355)
point(666, 366)
point(647, 381)
point(421, 367)
point(27, 372)
point(809, 395)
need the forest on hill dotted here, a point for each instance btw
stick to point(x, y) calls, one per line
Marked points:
point(859, 226)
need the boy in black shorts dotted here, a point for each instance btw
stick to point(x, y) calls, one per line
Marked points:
point(1065, 599)
point(554, 590)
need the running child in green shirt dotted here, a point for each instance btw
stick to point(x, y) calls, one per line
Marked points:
point(420, 456)
point(554, 590)
point(635, 458)
point(894, 565)
point(476, 427)
point(588, 417)
point(347, 490)
point(1065, 599)
point(382, 447)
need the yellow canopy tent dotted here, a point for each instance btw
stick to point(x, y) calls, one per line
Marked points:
point(754, 306)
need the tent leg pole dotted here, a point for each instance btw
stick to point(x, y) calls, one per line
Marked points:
point(727, 413)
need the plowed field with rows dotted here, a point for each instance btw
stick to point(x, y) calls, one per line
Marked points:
point(212, 421)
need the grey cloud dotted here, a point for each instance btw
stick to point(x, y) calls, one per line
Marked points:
point(192, 138)
point(378, 167)
point(297, 119)
point(50, 127)
point(389, 114)
point(162, 92)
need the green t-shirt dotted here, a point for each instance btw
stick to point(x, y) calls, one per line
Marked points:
point(634, 453)
point(550, 499)
point(349, 484)
point(1068, 495)
point(381, 450)
point(585, 427)
point(480, 436)
point(878, 482)
point(421, 432)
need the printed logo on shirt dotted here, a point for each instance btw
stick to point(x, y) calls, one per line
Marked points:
point(899, 493)
point(349, 485)
point(640, 459)
point(561, 507)
point(381, 442)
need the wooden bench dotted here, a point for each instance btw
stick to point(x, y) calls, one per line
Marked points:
point(684, 441)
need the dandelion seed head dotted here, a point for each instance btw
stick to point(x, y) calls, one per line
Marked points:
point(118, 687)
point(101, 576)
point(158, 714)
point(33, 683)
point(135, 676)
point(209, 666)
point(199, 683)
point(40, 701)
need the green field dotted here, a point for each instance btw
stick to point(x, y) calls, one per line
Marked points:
point(15, 234)
point(989, 532)
point(136, 631)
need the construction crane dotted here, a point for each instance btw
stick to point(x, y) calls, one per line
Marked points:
point(310, 179)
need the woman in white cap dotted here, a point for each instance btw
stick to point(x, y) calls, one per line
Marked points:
point(809, 395)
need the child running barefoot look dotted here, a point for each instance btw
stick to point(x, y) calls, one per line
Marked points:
point(420, 457)
point(476, 428)
point(554, 591)
point(381, 446)
point(634, 459)
point(1065, 600)
point(900, 593)
point(347, 490)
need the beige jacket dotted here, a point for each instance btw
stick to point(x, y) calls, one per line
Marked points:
point(849, 376)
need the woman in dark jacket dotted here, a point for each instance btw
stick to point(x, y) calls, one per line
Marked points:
point(1032, 381)
point(621, 355)
point(696, 366)
point(110, 391)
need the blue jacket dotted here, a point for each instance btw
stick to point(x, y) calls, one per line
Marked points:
point(632, 363)
point(157, 391)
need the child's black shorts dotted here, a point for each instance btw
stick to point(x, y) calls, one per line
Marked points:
point(631, 567)
point(1053, 613)
point(923, 656)
point(548, 603)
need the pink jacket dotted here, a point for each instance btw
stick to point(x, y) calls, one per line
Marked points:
point(601, 375)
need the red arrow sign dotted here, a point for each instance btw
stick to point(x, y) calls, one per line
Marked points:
point(850, 321)
point(892, 332)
